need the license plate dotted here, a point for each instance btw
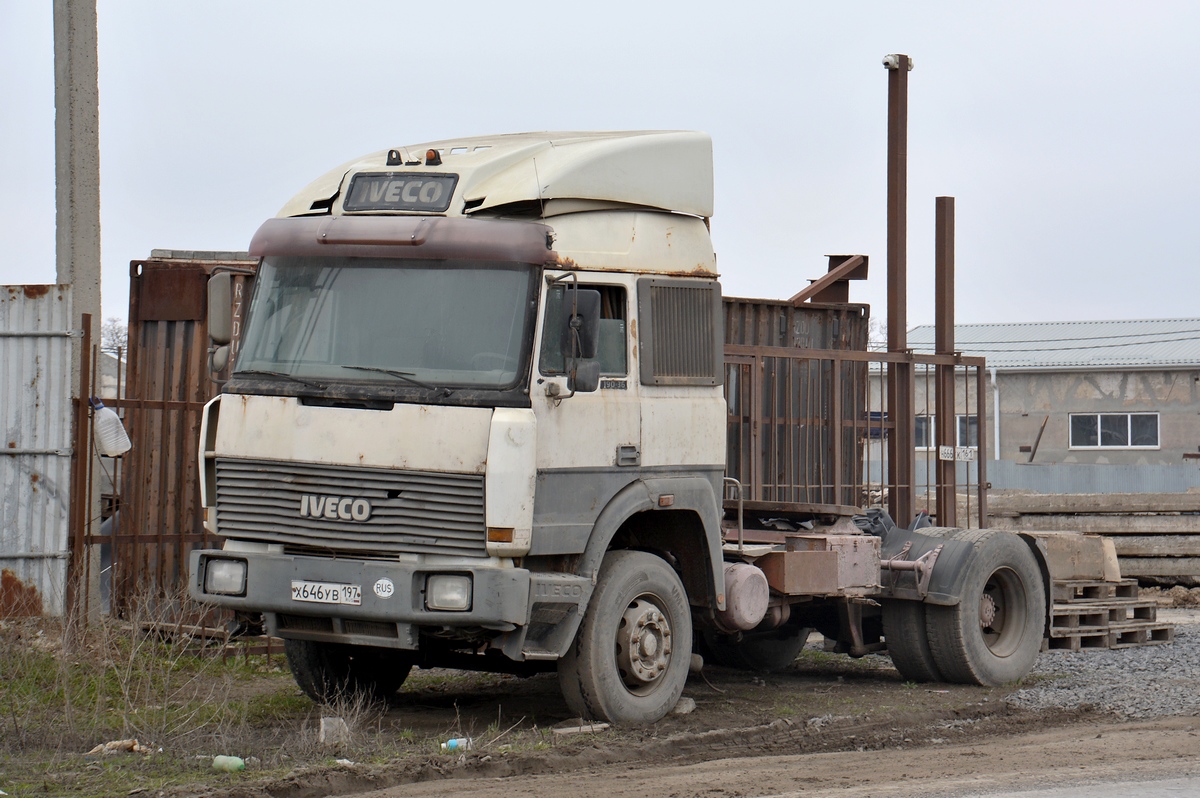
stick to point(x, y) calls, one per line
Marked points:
point(326, 593)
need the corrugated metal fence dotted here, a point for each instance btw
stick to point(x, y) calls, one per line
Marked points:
point(36, 327)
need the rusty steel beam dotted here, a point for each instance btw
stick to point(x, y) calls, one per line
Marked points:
point(945, 407)
point(900, 449)
point(798, 353)
point(849, 269)
point(79, 511)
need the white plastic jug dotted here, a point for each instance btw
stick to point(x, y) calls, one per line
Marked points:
point(111, 438)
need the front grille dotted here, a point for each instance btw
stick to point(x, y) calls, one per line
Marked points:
point(303, 623)
point(370, 628)
point(411, 512)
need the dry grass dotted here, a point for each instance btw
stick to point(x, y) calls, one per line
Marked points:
point(65, 690)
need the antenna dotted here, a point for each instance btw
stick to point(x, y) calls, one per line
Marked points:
point(541, 202)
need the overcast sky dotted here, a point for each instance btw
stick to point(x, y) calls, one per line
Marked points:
point(1067, 131)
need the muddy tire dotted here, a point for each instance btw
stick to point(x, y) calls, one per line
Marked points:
point(629, 661)
point(761, 654)
point(904, 630)
point(907, 642)
point(327, 672)
point(993, 636)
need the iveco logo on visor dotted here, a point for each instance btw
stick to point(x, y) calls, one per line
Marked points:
point(400, 191)
point(335, 508)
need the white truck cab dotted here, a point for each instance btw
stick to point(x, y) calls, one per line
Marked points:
point(469, 367)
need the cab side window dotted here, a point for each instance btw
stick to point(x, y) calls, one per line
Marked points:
point(613, 325)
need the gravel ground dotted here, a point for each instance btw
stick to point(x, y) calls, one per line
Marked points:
point(1146, 682)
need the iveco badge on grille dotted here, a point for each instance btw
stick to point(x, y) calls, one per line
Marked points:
point(344, 508)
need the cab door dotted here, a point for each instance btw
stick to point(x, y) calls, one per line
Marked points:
point(589, 444)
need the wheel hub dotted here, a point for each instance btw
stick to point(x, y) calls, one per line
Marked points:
point(643, 644)
point(987, 610)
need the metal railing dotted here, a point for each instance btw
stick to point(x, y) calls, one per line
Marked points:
point(808, 427)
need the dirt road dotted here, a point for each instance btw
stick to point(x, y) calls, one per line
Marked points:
point(828, 725)
point(1086, 752)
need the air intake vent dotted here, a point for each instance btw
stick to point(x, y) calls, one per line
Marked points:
point(679, 324)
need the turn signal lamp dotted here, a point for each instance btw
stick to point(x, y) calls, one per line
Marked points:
point(499, 534)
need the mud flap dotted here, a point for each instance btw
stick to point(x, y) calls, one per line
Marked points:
point(944, 585)
point(556, 605)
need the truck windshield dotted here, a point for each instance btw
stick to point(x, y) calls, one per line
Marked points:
point(412, 322)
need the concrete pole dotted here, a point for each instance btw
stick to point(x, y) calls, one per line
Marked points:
point(77, 247)
point(77, 158)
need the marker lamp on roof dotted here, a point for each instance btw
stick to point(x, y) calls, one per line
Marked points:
point(433, 158)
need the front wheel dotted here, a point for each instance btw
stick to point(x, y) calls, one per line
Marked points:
point(327, 672)
point(630, 659)
point(994, 634)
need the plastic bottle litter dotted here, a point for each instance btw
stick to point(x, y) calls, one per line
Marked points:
point(458, 744)
point(228, 764)
point(111, 438)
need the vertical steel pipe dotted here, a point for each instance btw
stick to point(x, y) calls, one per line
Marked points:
point(945, 406)
point(81, 453)
point(901, 452)
point(981, 463)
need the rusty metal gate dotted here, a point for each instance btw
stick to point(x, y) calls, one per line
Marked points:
point(36, 328)
point(166, 387)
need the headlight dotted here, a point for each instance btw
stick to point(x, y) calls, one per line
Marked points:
point(225, 577)
point(448, 592)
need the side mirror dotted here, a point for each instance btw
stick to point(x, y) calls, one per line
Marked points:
point(586, 377)
point(584, 325)
point(220, 308)
point(218, 359)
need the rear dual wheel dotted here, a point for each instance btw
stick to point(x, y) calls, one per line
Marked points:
point(992, 636)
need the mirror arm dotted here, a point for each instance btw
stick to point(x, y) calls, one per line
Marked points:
point(574, 322)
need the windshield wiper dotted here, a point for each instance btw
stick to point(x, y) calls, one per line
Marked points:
point(259, 373)
point(407, 376)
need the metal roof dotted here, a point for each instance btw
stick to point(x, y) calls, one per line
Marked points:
point(1075, 345)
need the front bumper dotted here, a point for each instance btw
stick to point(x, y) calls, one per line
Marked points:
point(500, 597)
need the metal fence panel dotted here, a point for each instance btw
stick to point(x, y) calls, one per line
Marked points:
point(1087, 478)
point(36, 357)
point(167, 385)
point(791, 425)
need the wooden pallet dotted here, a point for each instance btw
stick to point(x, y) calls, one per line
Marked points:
point(1094, 614)
point(1142, 635)
point(1077, 642)
point(1080, 590)
point(1098, 616)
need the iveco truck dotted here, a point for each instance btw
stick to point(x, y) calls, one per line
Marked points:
point(477, 419)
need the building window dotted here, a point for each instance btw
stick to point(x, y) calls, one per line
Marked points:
point(1114, 430)
point(925, 432)
point(967, 431)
